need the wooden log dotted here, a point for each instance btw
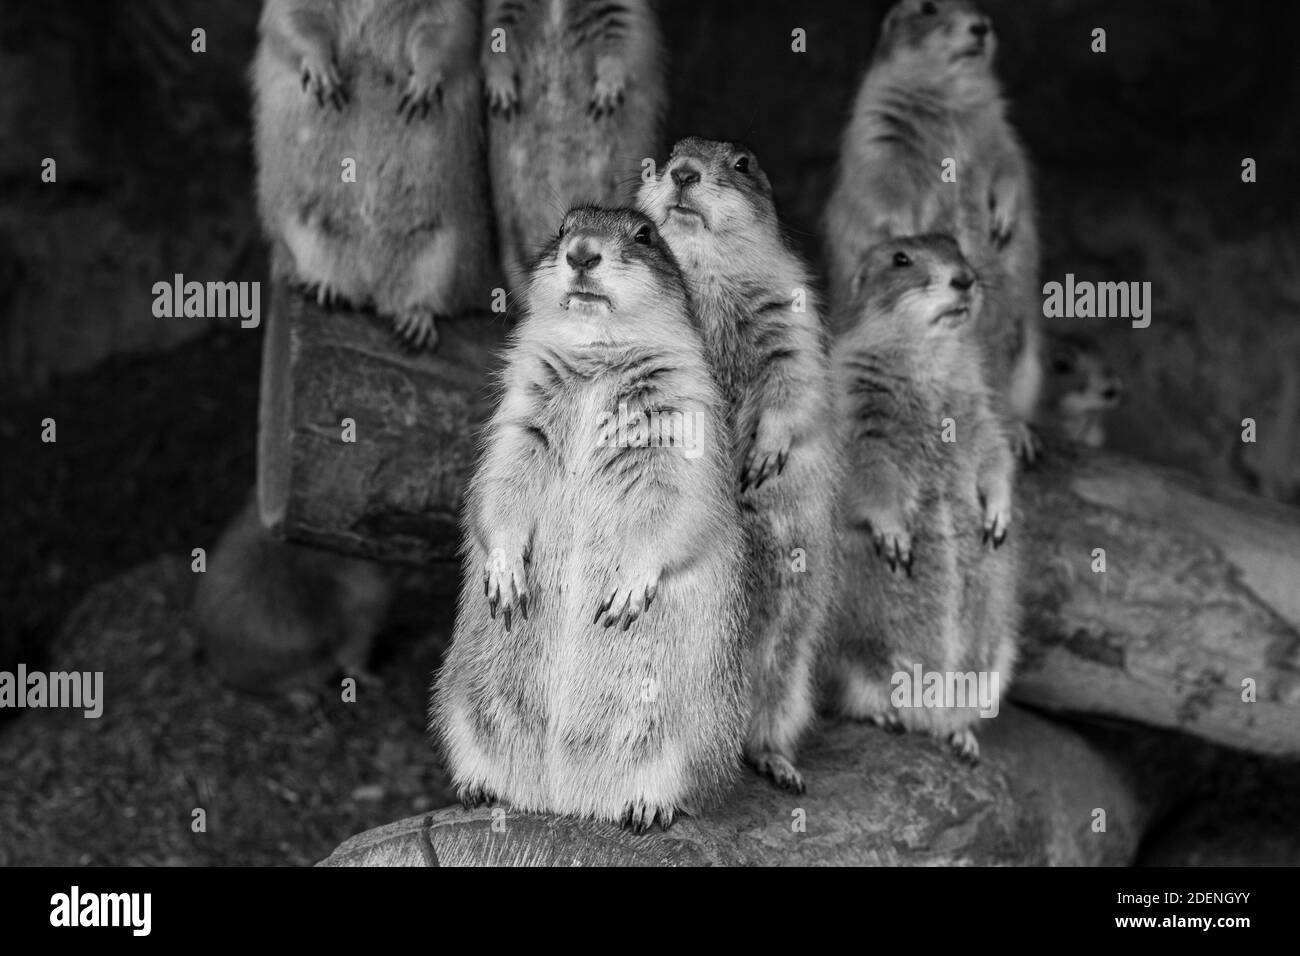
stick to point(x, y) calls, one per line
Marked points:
point(394, 493)
point(1201, 590)
point(874, 799)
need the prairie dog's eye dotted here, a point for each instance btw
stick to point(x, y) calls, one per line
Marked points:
point(742, 164)
point(644, 234)
point(1062, 365)
point(902, 260)
point(560, 234)
point(929, 9)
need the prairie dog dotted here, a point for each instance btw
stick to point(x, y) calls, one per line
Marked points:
point(754, 302)
point(596, 667)
point(1079, 391)
point(930, 95)
point(941, 600)
point(274, 616)
point(394, 86)
point(576, 92)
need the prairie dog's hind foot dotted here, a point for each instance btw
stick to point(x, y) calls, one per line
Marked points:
point(779, 770)
point(965, 745)
point(324, 295)
point(474, 795)
point(888, 722)
point(640, 815)
point(417, 327)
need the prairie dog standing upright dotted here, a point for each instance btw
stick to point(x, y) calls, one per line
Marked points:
point(597, 663)
point(754, 302)
point(274, 616)
point(929, 474)
point(393, 86)
point(576, 92)
point(930, 96)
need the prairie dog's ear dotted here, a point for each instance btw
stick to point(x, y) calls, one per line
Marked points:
point(887, 26)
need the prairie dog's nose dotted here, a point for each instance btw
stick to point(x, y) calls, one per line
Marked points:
point(980, 27)
point(962, 280)
point(583, 253)
point(685, 174)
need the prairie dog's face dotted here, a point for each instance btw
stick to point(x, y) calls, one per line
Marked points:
point(606, 266)
point(921, 282)
point(951, 35)
point(709, 193)
point(1078, 379)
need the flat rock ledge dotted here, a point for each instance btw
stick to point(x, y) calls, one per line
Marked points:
point(874, 799)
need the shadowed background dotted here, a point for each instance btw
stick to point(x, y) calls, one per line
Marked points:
point(1138, 155)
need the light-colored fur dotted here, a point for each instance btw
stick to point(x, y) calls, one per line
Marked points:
point(918, 585)
point(771, 361)
point(274, 616)
point(920, 103)
point(576, 99)
point(556, 712)
point(410, 237)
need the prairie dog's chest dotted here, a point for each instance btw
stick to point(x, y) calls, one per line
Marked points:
point(576, 420)
point(573, 26)
point(372, 31)
point(730, 348)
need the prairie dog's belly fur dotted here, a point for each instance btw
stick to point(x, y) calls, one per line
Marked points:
point(394, 86)
point(576, 99)
point(764, 339)
point(620, 694)
point(930, 96)
point(929, 569)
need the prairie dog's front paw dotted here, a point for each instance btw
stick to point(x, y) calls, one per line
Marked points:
point(997, 514)
point(769, 450)
point(607, 91)
point(321, 79)
point(1004, 203)
point(505, 584)
point(893, 541)
point(502, 87)
point(423, 92)
point(1025, 444)
point(628, 599)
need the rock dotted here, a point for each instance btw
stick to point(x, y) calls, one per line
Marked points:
point(874, 800)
